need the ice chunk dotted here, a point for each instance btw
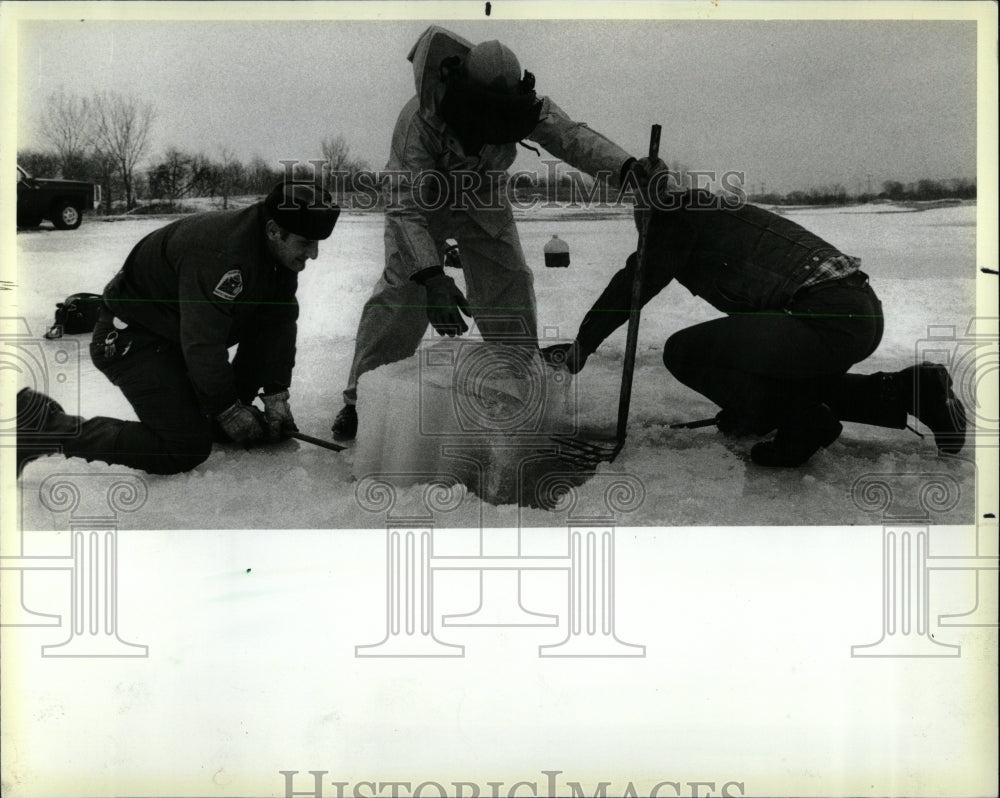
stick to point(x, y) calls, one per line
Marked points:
point(474, 412)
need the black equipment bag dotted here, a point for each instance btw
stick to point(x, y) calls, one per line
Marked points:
point(78, 314)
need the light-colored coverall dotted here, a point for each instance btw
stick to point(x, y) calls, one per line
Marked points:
point(425, 158)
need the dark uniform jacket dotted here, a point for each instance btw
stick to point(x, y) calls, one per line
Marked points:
point(208, 282)
point(738, 259)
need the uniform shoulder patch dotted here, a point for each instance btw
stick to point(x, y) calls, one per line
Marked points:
point(230, 286)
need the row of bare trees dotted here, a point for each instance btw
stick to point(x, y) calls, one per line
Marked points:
point(178, 174)
point(106, 138)
point(102, 137)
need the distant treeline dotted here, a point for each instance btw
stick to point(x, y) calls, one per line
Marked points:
point(892, 191)
point(105, 139)
point(176, 175)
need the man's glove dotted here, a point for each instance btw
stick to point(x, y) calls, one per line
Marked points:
point(242, 424)
point(565, 356)
point(645, 174)
point(278, 416)
point(445, 302)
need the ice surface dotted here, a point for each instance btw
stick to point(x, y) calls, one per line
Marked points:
point(922, 265)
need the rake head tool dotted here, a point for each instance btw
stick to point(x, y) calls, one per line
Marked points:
point(588, 454)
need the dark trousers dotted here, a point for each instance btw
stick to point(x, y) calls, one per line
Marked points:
point(173, 434)
point(766, 368)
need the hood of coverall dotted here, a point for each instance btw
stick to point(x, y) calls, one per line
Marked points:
point(434, 45)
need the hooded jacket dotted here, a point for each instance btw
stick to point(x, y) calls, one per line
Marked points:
point(207, 282)
point(425, 151)
point(739, 260)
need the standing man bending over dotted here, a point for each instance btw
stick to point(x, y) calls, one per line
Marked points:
point(472, 107)
point(186, 293)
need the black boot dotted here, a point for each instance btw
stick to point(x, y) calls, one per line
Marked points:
point(886, 398)
point(926, 391)
point(42, 426)
point(868, 399)
point(798, 440)
point(345, 425)
point(731, 425)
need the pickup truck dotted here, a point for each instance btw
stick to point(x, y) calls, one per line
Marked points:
point(60, 201)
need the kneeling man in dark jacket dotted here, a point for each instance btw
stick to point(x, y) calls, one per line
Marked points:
point(799, 315)
point(186, 294)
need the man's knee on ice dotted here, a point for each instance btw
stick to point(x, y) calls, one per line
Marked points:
point(180, 456)
point(676, 355)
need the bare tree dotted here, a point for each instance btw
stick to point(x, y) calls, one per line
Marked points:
point(175, 175)
point(105, 167)
point(121, 133)
point(261, 175)
point(231, 173)
point(66, 127)
point(336, 152)
point(339, 162)
point(205, 176)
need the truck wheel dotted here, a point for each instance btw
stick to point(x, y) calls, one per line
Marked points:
point(67, 216)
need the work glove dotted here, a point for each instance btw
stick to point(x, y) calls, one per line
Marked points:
point(445, 303)
point(646, 175)
point(278, 416)
point(242, 423)
point(565, 356)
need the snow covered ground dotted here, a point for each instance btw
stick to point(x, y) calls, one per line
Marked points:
point(922, 265)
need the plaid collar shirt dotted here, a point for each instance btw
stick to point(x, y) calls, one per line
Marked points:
point(833, 268)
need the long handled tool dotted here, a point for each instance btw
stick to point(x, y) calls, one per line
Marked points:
point(704, 422)
point(301, 436)
point(588, 454)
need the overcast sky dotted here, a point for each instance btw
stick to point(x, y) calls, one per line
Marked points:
point(794, 104)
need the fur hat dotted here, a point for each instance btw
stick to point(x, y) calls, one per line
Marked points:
point(302, 208)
